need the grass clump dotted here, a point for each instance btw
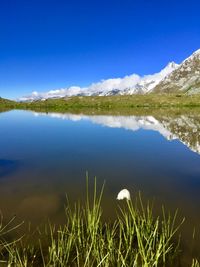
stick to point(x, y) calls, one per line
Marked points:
point(135, 238)
point(195, 263)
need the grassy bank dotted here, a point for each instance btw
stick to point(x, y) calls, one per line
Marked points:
point(116, 102)
point(108, 103)
point(136, 238)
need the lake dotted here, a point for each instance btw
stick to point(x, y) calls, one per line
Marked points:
point(44, 156)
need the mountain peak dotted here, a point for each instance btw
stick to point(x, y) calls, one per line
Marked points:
point(172, 64)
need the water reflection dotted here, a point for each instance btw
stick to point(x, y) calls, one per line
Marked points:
point(185, 128)
point(53, 155)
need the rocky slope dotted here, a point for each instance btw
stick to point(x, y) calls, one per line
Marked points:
point(185, 78)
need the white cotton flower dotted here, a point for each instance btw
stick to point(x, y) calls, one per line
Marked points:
point(124, 194)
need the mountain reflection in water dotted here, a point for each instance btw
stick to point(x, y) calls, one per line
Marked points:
point(185, 128)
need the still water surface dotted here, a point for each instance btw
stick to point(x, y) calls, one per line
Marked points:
point(43, 156)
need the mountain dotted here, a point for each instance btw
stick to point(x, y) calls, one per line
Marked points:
point(185, 78)
point(172, 79)
point(131, 84)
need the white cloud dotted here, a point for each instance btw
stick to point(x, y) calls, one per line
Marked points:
point(104, 85)
point(117, 83)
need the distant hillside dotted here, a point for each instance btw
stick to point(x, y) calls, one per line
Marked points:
point(184, 79)
point(6, 104)
point(5, 101)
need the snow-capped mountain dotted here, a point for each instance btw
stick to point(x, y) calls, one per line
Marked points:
point(185, 78)
point(132, 84)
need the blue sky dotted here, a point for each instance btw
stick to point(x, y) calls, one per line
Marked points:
point(52, 44)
